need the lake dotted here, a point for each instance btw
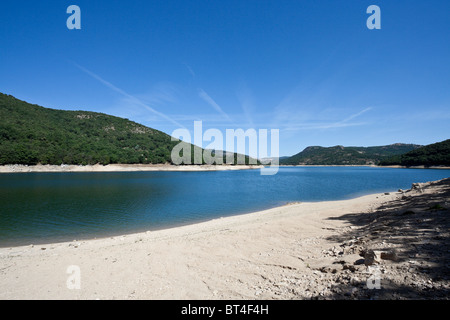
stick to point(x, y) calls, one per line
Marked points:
point(52, 207)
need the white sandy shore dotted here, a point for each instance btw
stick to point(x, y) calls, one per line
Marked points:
point(160, 167)
point(281, 253)
point(219, 259)
point(121, 167)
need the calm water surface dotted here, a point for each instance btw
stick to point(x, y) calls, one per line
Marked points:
point(48, 207)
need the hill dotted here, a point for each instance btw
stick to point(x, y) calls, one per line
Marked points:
point(31, 134)
point(436, 154)
point(339, 155)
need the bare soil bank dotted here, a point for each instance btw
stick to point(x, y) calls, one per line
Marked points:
point(121, 167)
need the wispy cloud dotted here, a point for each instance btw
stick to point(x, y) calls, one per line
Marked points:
point(191, 71)
point(128, 96)
point(212, 103)
point(246, 101)
point(314, 124)
point(346, 122)
point(160, 94)
point(318, 126)
point(356, 115)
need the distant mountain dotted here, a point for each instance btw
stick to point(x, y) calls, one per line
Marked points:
point(340, 155)
point(31, 134)
point(269, 160)
point(436, 154)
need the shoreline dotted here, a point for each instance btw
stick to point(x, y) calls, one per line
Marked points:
point(296, 251)
point(15, 168)
point(181, 227)
point(121, 168)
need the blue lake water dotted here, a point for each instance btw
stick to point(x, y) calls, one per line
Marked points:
point(48, 207)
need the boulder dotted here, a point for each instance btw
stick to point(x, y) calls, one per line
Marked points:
point(350, 267)
point(371, 257)
point(389, 255)
point(417, 186)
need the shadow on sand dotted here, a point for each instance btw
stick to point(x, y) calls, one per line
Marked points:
point(416, 228)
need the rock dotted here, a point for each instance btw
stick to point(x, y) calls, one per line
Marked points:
point(355, 281)
point(323, 269)
point(389, 255)
point(358, 262)
point(371, 257)
point(350, 267)
point(327, 270)
point(362, 252)
point(417, 186)
point(386, 193)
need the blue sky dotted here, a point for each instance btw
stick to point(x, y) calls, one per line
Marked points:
point(311, 69)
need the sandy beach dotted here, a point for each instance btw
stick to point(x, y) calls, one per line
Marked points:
point(380, 246)
point(15, 168)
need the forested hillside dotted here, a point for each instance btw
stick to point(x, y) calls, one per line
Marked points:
point(340, 155)
point(31, 134)
point(436, 154)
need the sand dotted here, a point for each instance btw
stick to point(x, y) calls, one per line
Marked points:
point(298, 251)
point(121, 168)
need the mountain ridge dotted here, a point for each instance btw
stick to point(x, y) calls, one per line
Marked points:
point(31, 134)
point(435, 154)
point(340, 155)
